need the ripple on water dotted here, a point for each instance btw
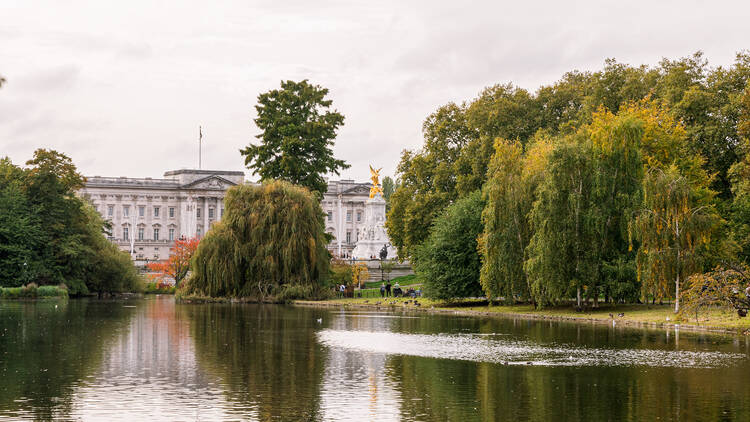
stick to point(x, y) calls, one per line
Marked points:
point(479, 348)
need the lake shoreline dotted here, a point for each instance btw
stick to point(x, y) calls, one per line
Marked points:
point(542, 315)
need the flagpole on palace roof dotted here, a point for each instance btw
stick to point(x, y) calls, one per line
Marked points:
point(200, 141)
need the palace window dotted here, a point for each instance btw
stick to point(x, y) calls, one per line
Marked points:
point(198, 232)
point(330, 215)
point(198, 212)
point(349, 216)
point(110, 210)
point(171, 212)
point(140, 233)
point(125, 211)
point(156, 211)
point(210, 213)
point(156, 234)
point(359, 216)
point(348, 237)
point(222, 213)
point(125, 234)
point(171, 235)
point(141, 211)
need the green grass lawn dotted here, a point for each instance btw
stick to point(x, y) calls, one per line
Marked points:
point(404, 280)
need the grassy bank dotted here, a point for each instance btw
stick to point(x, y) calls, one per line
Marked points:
point(32, 291)
point(404, 280)
point(654, 316)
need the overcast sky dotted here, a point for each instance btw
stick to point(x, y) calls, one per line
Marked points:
point(121, 86)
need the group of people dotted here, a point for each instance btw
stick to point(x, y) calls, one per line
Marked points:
point(386, 289)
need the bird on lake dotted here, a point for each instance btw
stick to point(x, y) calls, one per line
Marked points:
point(320, 320)
point(621, 314)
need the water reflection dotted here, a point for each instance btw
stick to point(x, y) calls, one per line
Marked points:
point(492, 348)
point(266, 356)
point(96, 360)
point(49, 349)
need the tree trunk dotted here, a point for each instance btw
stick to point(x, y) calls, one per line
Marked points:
point(677, 293)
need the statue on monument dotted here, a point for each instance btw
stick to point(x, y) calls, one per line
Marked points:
point(384, 252)
point(375, 178)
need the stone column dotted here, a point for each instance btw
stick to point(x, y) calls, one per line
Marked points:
point(340, 226)
point(205, 215)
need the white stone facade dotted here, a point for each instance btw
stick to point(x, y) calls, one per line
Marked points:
point(344, 206)
point(153, 213)
point(187, 202)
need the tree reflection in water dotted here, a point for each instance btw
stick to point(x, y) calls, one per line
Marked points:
point(48, 349)
point(266, 356)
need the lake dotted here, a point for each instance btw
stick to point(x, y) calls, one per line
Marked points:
point(153, 359)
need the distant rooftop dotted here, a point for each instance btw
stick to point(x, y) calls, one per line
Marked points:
point(203, 172)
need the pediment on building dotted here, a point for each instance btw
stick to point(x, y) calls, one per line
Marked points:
point(211, 183)
point(363, 189)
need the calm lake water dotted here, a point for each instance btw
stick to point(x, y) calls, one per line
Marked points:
point(151, 359)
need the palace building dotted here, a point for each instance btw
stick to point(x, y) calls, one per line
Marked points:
point(147, 215)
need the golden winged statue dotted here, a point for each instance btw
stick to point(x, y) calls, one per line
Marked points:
point(375, 178)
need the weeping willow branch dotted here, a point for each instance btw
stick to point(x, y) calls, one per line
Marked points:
point(271, 237)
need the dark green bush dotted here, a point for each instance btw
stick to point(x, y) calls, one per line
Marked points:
point(448, 260)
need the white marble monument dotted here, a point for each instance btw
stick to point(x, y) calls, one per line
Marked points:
point(371, 236)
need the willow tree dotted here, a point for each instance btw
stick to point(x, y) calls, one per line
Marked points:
point(561, 257)
point(509, 195)
point(270, 238)
point(673, 224)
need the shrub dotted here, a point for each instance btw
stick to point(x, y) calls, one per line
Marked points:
point(159, 288)
point(51, 291)
point(11, 292)
point(289, 292)
point(341, 273)
point(29, 290)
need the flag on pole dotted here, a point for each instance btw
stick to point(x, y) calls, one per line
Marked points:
point(200, 133)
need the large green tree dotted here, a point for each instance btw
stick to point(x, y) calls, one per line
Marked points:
point(270, 238)
point(48, 235)
point(21, 235)
point(561, 257)
point(448, 261)
point(509, 195)
point(676, 220)
point(298, 132)
point(428, 180)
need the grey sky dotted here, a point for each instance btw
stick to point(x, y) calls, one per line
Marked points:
point(121, 86)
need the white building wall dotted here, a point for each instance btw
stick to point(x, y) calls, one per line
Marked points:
point(189, 190)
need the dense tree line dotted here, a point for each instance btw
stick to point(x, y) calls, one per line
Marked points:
point(614, 184)
point(49, 236)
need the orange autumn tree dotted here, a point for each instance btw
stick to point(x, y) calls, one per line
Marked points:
point(178, 264)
